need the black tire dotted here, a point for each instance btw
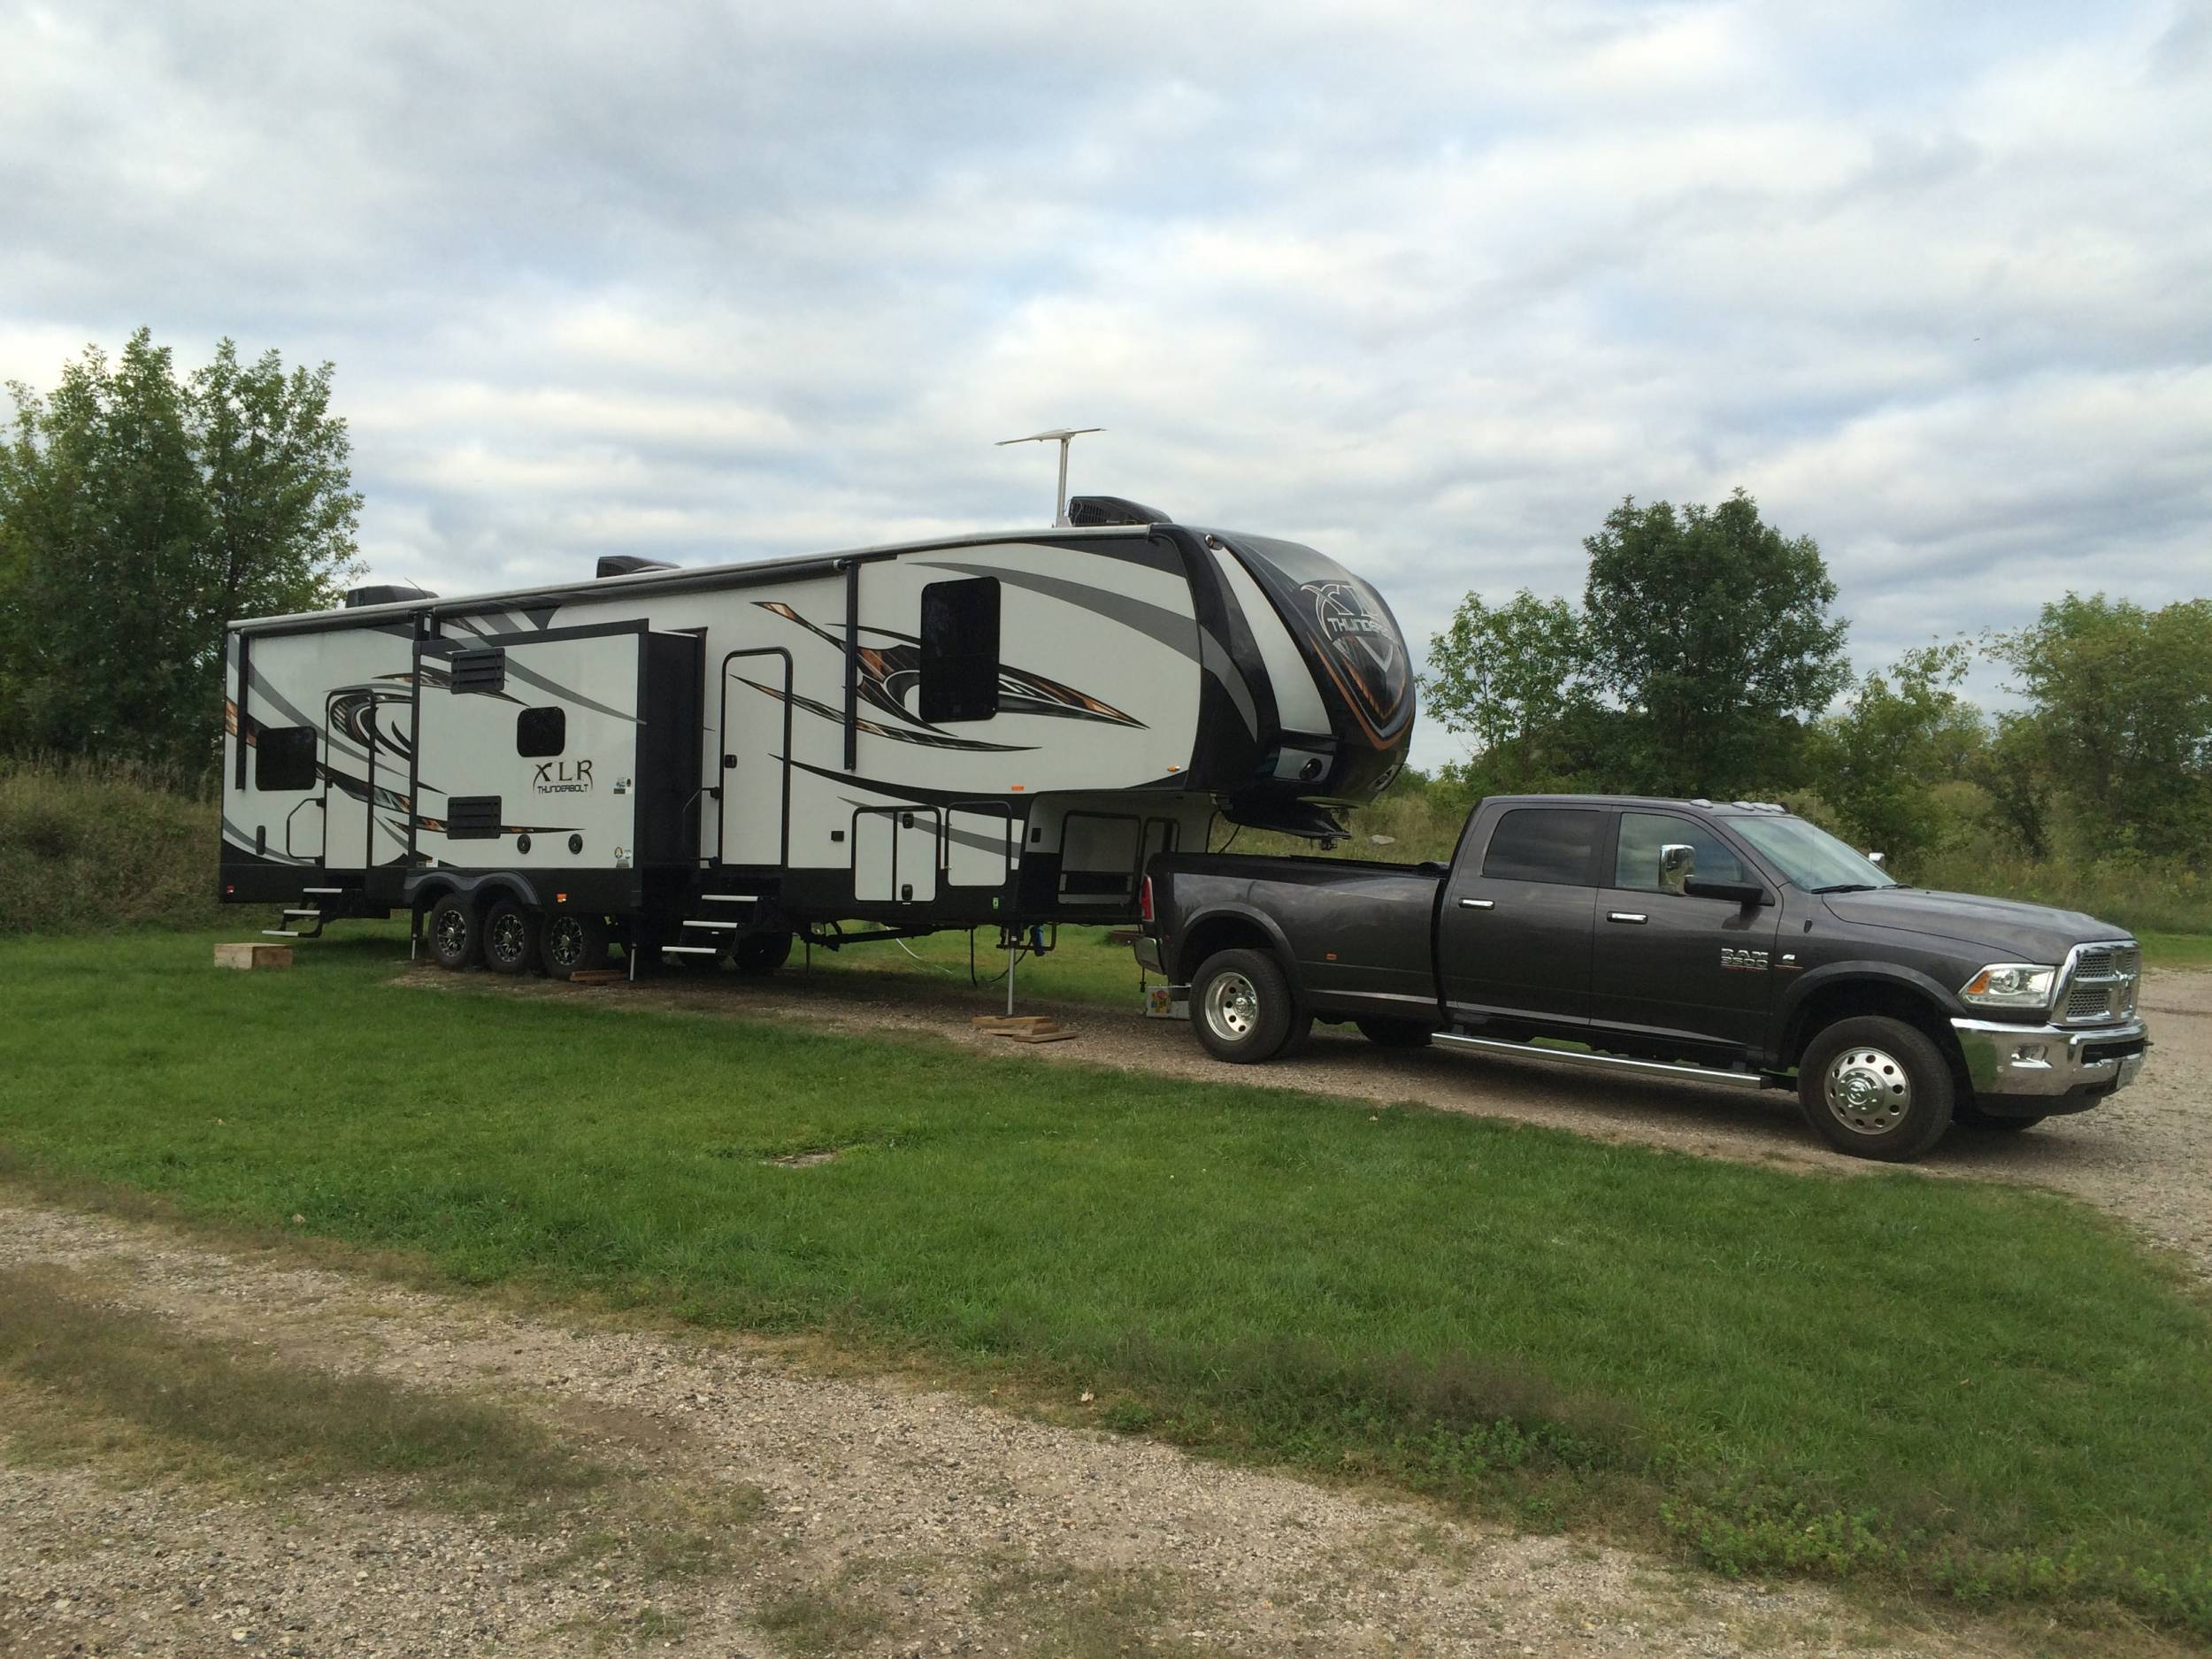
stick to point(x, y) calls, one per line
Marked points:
point(1972, 1117)
point(510, 938)
point(1395, 1033)
point(573, 942)
point(1242, 1009)
point(758, 955)
point(456, 934)
point(1876, 1088)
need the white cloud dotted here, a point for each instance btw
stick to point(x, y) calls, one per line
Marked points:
point(1431, 287)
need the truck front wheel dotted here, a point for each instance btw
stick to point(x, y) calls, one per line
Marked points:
point(1243, 1009)
point(1876, 1088)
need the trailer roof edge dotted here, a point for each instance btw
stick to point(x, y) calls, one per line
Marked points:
point(690, 576)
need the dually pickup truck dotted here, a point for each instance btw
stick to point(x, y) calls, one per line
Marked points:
point(1730, 943)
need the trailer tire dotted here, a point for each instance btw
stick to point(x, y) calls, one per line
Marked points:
point(758, 955)
point(573, 942)
point(1395, 1033)
point(456, 934)
point(1243, 1009)
point(1876, 1088)
point(510, 938)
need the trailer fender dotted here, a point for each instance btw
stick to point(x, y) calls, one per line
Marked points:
point(426, 889)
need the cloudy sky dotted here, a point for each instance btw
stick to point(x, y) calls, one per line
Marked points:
point(1431, 287)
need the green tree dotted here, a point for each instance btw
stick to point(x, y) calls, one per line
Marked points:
point(1513, 680)
point(1712, 631)
point(1882, 761)
point(2120, 716)
point(138, 514)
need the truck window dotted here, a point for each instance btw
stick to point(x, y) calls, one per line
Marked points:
point(1542, 843)
point(959, 679)
point(284, 757)
point(1636, 861)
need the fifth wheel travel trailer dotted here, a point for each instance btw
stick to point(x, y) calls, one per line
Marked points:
point(991, 729)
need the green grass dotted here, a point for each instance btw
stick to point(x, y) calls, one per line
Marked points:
point(1982, 1391)
point(86, 847)
point(2177, 950)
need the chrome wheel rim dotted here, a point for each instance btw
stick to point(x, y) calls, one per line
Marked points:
point(510, 939)
point(1868, 1090)
point(1233, 1007)
point(451, 934)
point(564, 941)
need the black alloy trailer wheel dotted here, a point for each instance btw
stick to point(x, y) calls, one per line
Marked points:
point(761, 954)
point(574, 942)
point(1242, 1009)
point(510, 938)
point(456, 933)
point(1876, 1088)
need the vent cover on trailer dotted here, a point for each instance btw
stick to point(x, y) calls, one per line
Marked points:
point(479, 671)
point(473, 817)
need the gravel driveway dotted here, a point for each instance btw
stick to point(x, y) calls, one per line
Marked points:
point(2145, 1156)
point(876, 1518)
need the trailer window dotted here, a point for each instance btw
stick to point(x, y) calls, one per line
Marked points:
point(960, 649)
point(284, 758)
point(540, 733)
point(1544, 844)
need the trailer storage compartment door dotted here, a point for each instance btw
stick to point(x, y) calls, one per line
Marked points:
point(895, 854)
point(569, 750)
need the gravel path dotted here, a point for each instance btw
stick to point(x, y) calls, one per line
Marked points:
point(879, 1519)
point(2144, 1155)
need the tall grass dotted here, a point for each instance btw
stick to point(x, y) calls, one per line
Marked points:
point(87, 846)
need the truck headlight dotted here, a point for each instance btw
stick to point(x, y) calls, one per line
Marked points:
point(2010, 985)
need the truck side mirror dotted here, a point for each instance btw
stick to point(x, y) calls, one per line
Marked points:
point(1677, 863)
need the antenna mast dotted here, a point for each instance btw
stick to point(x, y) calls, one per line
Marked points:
point(1064, 437)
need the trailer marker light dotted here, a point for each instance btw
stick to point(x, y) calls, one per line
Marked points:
point(560, 898)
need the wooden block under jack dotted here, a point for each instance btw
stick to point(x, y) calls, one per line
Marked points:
point(252, 956)
point(1047, 1033)
point(598, 976)
point(1012, 1022)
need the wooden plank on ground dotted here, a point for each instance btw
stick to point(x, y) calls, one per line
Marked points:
point(253, 956)
point(598, 976)
point(1011, 1022)
point(1043, 1033)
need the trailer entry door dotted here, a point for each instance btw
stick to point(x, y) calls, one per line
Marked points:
point(755, 762)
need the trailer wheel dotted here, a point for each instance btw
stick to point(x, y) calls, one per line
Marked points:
point(1395, 1033)
point(575, 942)
point(457, 937)
point(1876, 1088)
point(1243, 1009)
point(761, 954)
point(510, 938)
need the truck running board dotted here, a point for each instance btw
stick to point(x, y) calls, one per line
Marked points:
point(1610, 1062)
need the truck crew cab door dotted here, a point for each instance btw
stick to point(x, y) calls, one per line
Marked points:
point(1513, 934)
point(1671, 965)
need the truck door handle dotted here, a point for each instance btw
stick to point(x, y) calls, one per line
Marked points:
point(1636, 917)
point(1478, 904)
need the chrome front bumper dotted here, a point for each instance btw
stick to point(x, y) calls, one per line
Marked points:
point(2045, 1061)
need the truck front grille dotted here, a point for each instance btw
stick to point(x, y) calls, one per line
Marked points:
point(2102, 984)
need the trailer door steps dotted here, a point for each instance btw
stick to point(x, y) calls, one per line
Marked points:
point(691, 951)
point(1611, 1062)
point(718, 927)
point(731, 898)
point(311, 911)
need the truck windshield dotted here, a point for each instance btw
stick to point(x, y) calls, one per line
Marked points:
point(1809, 856)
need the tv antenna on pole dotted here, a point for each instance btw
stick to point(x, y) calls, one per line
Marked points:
point(1064, 437)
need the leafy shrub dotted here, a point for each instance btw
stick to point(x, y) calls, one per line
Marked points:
point(87, 847)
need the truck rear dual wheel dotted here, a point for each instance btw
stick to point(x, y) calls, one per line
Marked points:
point(1876, 1088)
point(1243, 1009)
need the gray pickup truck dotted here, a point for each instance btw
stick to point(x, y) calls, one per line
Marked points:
point(1731, 943)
